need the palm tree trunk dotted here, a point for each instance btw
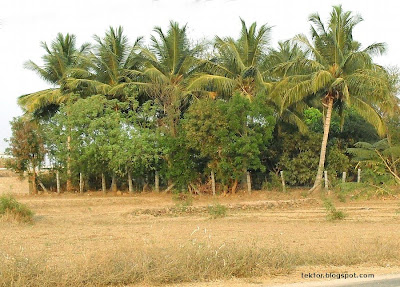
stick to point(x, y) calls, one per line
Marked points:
point(327, 124)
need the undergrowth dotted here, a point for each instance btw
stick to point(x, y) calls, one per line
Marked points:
point(331, 212)
point(11, 209)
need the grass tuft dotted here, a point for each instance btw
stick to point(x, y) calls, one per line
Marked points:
point(217, 210)
point(12, 210)
point(332, 212)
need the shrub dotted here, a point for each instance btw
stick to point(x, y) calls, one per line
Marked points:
point(217, 210)
point(332, 213)
point(10, 208)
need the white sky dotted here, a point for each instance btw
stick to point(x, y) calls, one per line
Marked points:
point(25, 23)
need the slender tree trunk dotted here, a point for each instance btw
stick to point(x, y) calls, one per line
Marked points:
point(130, 186)
point(34, 186)
point(248, 178)
point(81, 183)
point(113, 186)
point(103, 183)
point(42, 185)
point(213, 182)
point(58, 182)
point(157, 181)
point(327, 124)
point(234, 186)
point(69, 174)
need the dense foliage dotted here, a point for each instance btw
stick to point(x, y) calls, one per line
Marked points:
point(179, 114)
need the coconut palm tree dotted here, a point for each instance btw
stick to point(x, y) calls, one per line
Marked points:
point(338, 72)
point(293, 114)
point(168, 64)
point(60, 57)
point(236, 64)
point(107, 70)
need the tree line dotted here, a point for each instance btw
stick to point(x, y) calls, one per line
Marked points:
point(212, 114)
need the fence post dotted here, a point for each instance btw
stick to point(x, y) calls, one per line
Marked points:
point(359, 175)
point(344, 177)
point(283, 182)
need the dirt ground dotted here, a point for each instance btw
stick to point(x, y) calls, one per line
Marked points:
point(77, 225)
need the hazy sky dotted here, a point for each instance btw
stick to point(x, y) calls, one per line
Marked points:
point(25, 23)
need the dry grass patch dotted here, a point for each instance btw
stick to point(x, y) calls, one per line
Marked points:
point(187, 263)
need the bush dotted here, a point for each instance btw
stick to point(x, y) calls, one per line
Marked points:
point(10, 208)
point(332, 213)
point(217, 210)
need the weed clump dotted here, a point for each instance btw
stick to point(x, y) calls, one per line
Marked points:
point(217, 210)
point(332, 212)
point(11, 209)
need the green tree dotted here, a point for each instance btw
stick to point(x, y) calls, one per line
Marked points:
point(340, 73)
point(60, 58)
point(230, 134)
point(26, 148)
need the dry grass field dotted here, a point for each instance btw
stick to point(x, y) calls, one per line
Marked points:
point(153, 239)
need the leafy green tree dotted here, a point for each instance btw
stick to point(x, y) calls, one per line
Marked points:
point(339, 72)
point(27, 149)
point(230, 134)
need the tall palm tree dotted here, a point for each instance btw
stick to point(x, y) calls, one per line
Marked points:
point(236, 63)
point(110, 71)
point(60, 58)
point(168, 64)
point(339, 73)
